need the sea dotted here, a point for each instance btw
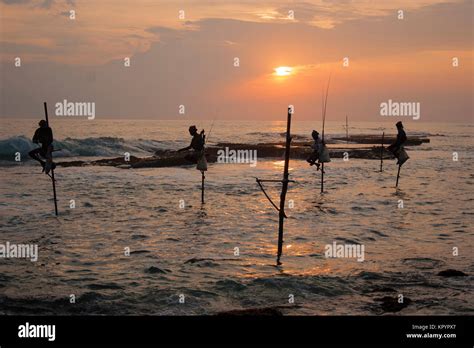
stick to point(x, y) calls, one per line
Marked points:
point(139, 241)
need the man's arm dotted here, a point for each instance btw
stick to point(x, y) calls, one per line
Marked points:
point(35, 137)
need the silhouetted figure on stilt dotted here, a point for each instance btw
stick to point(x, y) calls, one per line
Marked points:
point(43, 136)
point(197, 144)
point(397, 148)
point(313, 159)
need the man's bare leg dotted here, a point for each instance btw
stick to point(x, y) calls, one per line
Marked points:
point(49, 159)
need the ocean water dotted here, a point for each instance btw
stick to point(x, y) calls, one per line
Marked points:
point(190, 251)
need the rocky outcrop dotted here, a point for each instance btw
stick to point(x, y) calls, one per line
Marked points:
point(299, 150)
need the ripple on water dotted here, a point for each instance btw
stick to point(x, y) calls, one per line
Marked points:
point(370, 275)
point(308, 285)
point(347, 240)
point(422, 262)
point(229, 285)
point(156, 270)
point(203, 262)
point(362, 209)
point(139, 237)
point(104, 286)
point(378, 233)
point(139, 252)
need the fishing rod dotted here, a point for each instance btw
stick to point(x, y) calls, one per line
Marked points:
point(284, 188)
point(324, 105)
point(210, 130)
point(52, 169)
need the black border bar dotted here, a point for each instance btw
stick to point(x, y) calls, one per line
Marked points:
point(223, 330)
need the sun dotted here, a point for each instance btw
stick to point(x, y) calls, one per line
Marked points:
point(283, 71)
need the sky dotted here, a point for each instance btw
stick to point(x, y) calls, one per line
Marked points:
point(185, 53)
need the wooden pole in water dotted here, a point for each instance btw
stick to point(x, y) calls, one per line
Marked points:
point(284, 187)
point(202, 187)
point(381, 154)
point(398, 174)
point(204, 159)
point(322, 177)
point(52, 170)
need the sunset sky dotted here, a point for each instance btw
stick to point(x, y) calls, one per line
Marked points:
point(191, 60)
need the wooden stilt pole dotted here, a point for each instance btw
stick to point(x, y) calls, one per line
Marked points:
point(202, 187)
point(322, 177)
point(381, 154)
point(398, 174)
point(284, 188)
point(52, 170)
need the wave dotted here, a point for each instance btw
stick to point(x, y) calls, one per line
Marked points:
point(87, 147)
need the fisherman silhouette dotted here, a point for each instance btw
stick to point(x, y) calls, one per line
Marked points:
point(43, 135)
point(397, 147)
point(197, 144)
point(313, 159)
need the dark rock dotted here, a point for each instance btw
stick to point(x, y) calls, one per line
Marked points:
point(155, 270)
point(452, 273)
point(299, 150)
point(382, 289)
point(377, 139)
point(269, 311)
point(139, 252)
point(196, 259)
point(391, 304)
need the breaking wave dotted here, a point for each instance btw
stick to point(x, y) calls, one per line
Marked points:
point(87, 147)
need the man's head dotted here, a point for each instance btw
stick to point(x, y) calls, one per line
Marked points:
point(42, 123)
point(192, 130)
point(315, 134)
point(399, 125)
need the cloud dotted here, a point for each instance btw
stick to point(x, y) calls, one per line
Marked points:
point(18, 49)
point(15, 2)
point(46, 4)
point(196, 68)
